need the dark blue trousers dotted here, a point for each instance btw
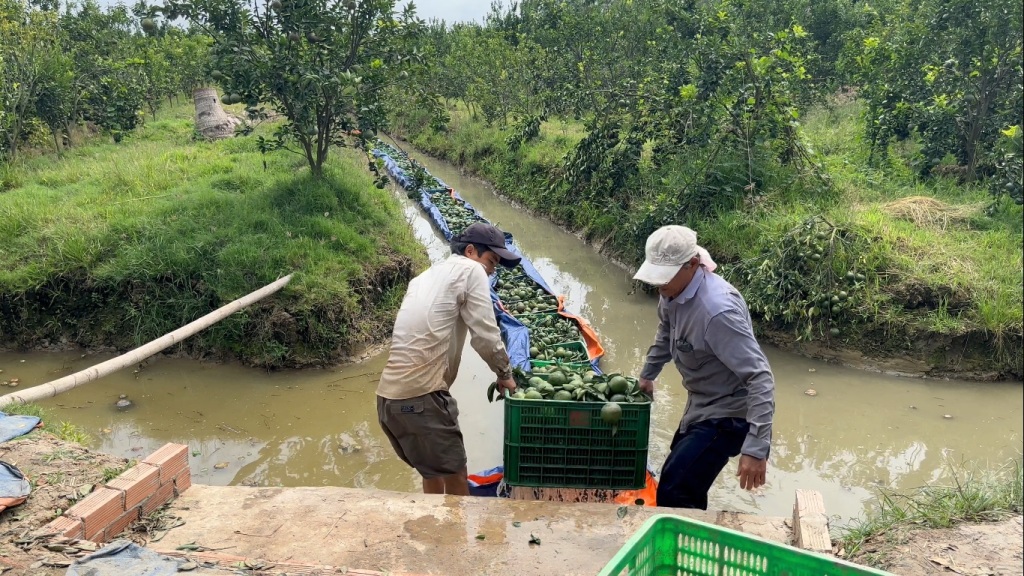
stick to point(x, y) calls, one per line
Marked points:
point(698, 454)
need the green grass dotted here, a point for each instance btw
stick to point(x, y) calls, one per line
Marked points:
point(949, 245)
point(969, 496)
point(933, 242)
point(61, 429)
point(117, 244)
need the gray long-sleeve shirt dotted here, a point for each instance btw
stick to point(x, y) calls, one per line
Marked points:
point(708, 333)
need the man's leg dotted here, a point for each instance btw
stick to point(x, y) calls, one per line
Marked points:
point(696, 458)
point(425, 434)
point(455, 484)
point(449, 449)
point(433, 485)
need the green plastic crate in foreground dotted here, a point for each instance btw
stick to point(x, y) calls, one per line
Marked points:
point(674, 546)
point(566, 444)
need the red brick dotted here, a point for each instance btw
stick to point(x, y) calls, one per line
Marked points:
point(66, 527)
point(162, 496)
point(119, 525)
point(171, 459)
point(137, 483)
point(98, 510)
point(182, 482)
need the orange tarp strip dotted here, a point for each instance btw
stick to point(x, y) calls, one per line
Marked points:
point(6, 503)
point(485, 480)
point(649, 494)
point(594, 348)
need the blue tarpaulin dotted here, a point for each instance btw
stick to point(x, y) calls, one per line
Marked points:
point(514, 333)
point(486, 483)
point(396, 172)
point(16, 425)
point(123, 557)
point(435, 215)
point(13, 484)
point(528, 267)
point(399, 174)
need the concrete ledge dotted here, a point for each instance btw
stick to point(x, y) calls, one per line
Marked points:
point(395, 532)
point(136, 492)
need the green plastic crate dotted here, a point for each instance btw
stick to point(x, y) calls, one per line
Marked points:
point(526, 317)
point(565, 444)
point(573, 365)
point(577, 346)
point(541, 315)
point(552, 307)
point(674, 546)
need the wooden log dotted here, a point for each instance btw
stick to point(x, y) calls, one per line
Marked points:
point(139, 354)
point(810, 523)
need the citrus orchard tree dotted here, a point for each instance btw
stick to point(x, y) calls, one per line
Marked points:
point(26, 52)
point(949, 71)
point(322, 64)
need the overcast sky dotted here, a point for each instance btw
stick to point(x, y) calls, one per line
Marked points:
point(451, 10)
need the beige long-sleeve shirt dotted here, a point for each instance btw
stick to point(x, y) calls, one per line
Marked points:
point(440, 306)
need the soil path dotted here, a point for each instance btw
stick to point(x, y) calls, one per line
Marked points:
point(61, 473)
point(970, 550)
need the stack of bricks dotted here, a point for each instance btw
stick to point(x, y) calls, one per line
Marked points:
point(137, 492)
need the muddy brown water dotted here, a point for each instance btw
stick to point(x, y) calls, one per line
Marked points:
point(863, 431)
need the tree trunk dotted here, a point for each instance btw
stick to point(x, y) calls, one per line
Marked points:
point(323, 145)
point(66, 137)
point(308, 144)
point(12, 147)
point(211, 120)
point(981, 113)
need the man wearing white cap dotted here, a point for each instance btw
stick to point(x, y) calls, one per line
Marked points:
point(705, 329)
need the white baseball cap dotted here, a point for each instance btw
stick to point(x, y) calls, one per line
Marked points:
point(668, 248)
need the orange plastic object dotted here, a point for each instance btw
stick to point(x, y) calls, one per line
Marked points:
point(594, 348)
point(648, 494)
point(485, 480)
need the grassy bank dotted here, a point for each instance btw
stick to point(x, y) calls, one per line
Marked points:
point(63, 430)
point(114, 245)
point(969, 496)
point(932, 276)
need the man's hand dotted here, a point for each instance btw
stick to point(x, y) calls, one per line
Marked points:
point(506, 384)
point(751, 472)
point(647, 387)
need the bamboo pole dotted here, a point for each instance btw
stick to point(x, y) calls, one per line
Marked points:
point(139, 354)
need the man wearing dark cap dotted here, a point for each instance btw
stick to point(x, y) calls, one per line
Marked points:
point(451, 298)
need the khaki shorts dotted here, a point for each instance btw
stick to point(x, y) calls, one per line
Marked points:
point(424, 431)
